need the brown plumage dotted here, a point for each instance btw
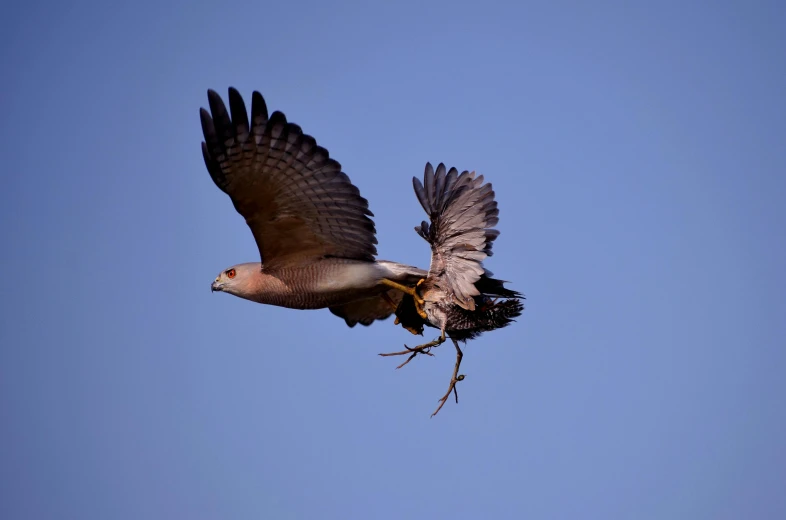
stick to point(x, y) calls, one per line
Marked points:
point(459, 297)
point(312, 227)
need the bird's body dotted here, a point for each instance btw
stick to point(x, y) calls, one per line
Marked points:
point(313, 230)
point(463, 325)
point(317, 285)
point(458, 297)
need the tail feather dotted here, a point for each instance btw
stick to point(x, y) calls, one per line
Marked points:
point(489, 316)
point(493, 287)
point(500, 314)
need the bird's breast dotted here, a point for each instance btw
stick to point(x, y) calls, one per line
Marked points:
point(326, 283)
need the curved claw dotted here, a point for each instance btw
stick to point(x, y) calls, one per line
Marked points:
point(420, 349)
point(419, 301)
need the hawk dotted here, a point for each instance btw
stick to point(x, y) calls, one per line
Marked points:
point(458, 297)
point(312, 227)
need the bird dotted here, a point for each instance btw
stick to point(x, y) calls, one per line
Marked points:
point(314, 231)
point(459, 296)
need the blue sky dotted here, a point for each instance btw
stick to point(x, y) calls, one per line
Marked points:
point(638, 157)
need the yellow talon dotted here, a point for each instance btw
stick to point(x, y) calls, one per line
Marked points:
point(398, 286)
point(419, 301)
point(412, 291)
point(419, 308)
point(416, 296)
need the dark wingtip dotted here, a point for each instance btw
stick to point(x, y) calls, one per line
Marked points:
point(204, 116)
point(213, 97)
point(278, 117)
point(237, 108)
point(217, 106)
point(208, 127)
point(258, 106)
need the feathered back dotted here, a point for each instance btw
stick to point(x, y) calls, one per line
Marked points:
point(463, 212)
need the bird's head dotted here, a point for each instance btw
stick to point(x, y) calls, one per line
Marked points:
point(236, 279)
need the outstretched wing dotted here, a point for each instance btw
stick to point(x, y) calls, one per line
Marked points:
point(298, 203)
point(463, 212)
point(369, 310)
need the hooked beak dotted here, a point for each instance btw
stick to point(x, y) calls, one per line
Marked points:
point(215, 286)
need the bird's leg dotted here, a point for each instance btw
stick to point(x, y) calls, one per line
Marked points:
point(420, 349)
point(453, 380)
point(403, 288)
point(412, 291)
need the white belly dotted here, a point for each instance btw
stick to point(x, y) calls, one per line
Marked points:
point(340, 277)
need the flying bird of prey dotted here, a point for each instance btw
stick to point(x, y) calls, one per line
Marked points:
point(459, 297)
point(313, 229)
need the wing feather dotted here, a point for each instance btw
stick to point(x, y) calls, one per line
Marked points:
point(368, 310)
point(296, 200)
point(462, 213)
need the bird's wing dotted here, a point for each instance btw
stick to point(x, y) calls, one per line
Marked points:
point(298, 203)
point(368, 310)
point(463, 213)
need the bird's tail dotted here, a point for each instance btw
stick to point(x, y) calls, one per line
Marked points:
point(496, 315)
point(488, 315)
point(492, 287)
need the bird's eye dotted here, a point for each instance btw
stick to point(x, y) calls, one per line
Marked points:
point(231, 273)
